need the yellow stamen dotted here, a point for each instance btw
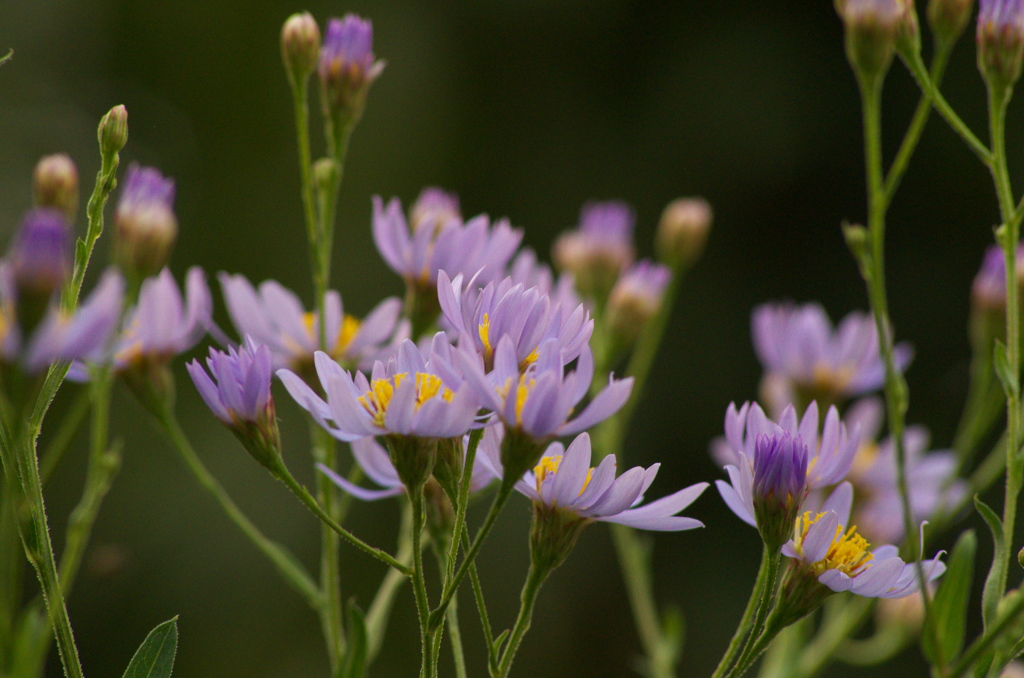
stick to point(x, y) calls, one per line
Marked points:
point(376, 400)
point(521, 394)
point(349, 328)
point(485, 335)
point(847, 553)
point(549, 466)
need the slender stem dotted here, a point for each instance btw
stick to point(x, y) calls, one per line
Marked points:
point(635, 562)
point(462, 501)
point(764, 577)
point(528, 597)
point(380, 609)
point(331, 614)
point(287, 565)
point(419, 583)
point(981, 645)
point(58, 446)
point(920, 73)
point(481, 607)
point(755, 649)
point(767, 598)
point(500, 499)
point(454, 632)
point(12, 565)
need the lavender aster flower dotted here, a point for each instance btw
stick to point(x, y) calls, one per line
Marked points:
point(805, 359)
point(931, 477)
point(525, 269)
point(239, 395)
point(347, 67)
point(274, 316)
point(828, 456)
point(988, 291)
point(40, 255)
point(504, 309)
point(635, 299)
point(144, 221)
point(779, 484)
point(600, 249)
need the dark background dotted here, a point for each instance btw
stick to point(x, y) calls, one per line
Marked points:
point(526, 109)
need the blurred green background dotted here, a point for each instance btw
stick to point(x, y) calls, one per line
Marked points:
point(526, 109)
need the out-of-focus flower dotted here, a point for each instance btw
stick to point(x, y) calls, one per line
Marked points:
point(273, 315)
point(535, 405)
point(40, 255)
point(526, 316)
point(828, 459)
point(55, 184)
point(872, 30)
point(805, 359)
point(931, 481)
point(683, 231)
point(85, 334)
point(239, 395)
point(347, 67)
point(599, 250)
point(635, 299)
point(948, 19)
point(989, 288)
point(300, 46)
point(144, 222)
point(1000, 41)
point(525, 269)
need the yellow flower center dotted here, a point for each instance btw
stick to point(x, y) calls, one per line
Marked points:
point(376, 400)
point(523, 392)
point(827, 379)
point(866, 455)
point(484, 330)
point(549, 466)
point(349, 327)
point(847, 553)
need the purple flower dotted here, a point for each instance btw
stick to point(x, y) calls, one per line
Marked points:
point(989, 288)
point(274, 316)
point(84, 335)
point(779, 484)
point(600, 249)
point(525, 316)
point(407, 397)
point(347, 66)
point(747, 429)
point(239, 395)
point(144, 220)
point(931, 477)
point(433, 209)
point(376, 463)
point(805, 359)
point(163, 324)
point(539, 401)
point(525, 269)
point(635, 299)
point(1000, 14)
point(40, 255)
point(441, 241)
point(826, 551)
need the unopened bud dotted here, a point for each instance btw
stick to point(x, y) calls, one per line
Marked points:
point(1000, 41)
point(347, 68)
point(55, 183)
point(908, 35)
point(683, 231)
point(634, 300)
point(413, 459)
point(600, 250)
point(872, 28)
point(325, 175)
point(300, 46)
point(113, 131)
point(40, 259)
point(948, 18)
point(146, 227)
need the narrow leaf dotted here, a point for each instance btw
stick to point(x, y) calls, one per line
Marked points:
point(7, 57)
point(992, 592)
point(949, 609)
point(1006, 376)
point(155, 657)
point(355, 657)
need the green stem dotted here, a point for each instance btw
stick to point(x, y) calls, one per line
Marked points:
point(287, 565)
point(419, 584)
point(982, 644)
point(528, 597)
point(634, 560)
point(755, 649)
point(331, 615)
point(500, 499)
point(462, 502)
point(59, 445)
point(454, 632)
point(380, 609)
point(834, 631)
point(767, 598)
point(765, 578)
point(481, 608)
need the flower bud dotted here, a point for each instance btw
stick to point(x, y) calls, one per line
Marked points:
point(600, 250)
point(347, 69)
point(40, 259)
point(779, 485)
point(948, 18)
point(1000, 41)
point(683, 230)
point(146, 227)
point(872, 29)
point(300, 46)
point(448, 469)
point(908, 35)
point(113, 131)
point(634, 300)
point(553, 534)
point(55, 183)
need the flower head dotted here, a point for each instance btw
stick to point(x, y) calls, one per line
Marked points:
point(347, 67)
point(989, 288)
point(273, 315)
point(1000, 40)
point(239, 395)
point(683, 230)
point(55, 184)
point(635, 299)
point(40, 255)
point(146, 227)
point(782, 448)
point(600, 249)
point(525, 315)
point(779, 484)
point(805, 359)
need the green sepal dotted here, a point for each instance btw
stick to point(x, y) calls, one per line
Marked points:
point(992, 592)
point(1007, 378)
point(948, 616)
point(355, 657)
point(155, 657)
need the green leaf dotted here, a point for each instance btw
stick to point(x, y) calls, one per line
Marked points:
point(1006, 376)
point(155, 657)
point(355, 658)
point(948, 616)
point(992, 592)
point(7, 57)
